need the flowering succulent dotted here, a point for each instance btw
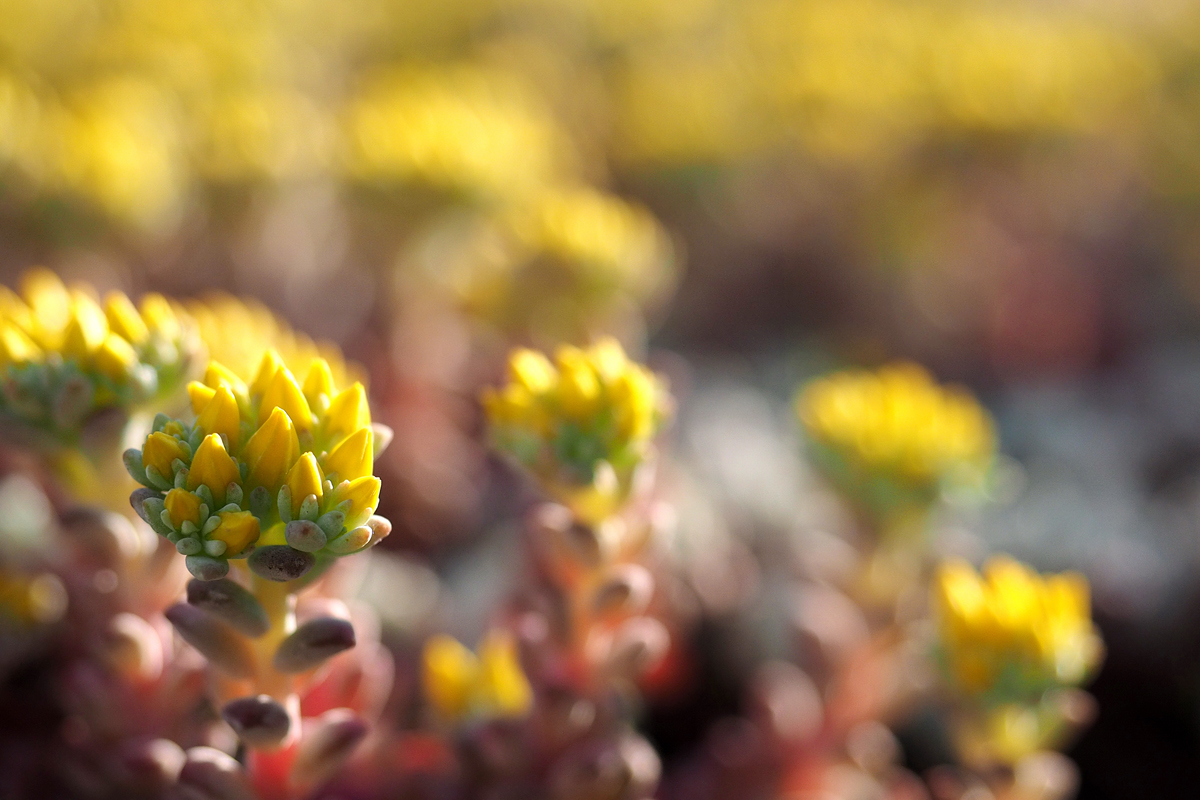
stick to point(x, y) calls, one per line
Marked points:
point(894, 436)
point(462, 685)
point(1011, 634)
point(64, 356)
point(274, 470)
point(581, 425)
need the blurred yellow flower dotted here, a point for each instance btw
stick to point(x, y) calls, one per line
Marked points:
point(462, 685)
point(896, 430)
point(1010, 633)
point(581, 424)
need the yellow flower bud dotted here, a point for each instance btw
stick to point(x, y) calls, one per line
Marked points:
point(267, 367)
point(159, 317)
point(115, 358)
point(532, 370)
point(353, 458)
point(348, 412)
point(578, 387)
point(504, 687)
point(160, 450)
point(49, 303)
point(282, 392)
point(220, 414)
point(449, 672)
point(200, 395)
point(219, 375)
point(213, 467)
point(363, 494)
point(237, 529)
point(85, 329)
point(304, 479)
point(608, 359)
point(123, 318)
point(16, 347)
point(183, 506)
point(318, 381)
point(271, 451)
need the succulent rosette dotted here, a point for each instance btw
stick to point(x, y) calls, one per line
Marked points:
point(275, 471)
point(66, 357)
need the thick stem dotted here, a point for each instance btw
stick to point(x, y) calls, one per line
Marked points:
point(279, 602)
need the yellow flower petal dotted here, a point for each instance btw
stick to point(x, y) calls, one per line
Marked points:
point(159, 451)
point(123, 318)
point(115, 358)
point(267, 368)
point(271, 451)
point(304, 479)
point(283, 392)
point(353, 458)
point(318, 381)
point(221, 415)
point(213, 467)
point(217, 374)
point(183, 506)
point(85, 329)
point(448, 671)
point(16, 347)
point(237, 529)
point(159, 317)
point(363, 494)
point(200, 395)
point(532, 370)
point(348, 412)
point(504, 687)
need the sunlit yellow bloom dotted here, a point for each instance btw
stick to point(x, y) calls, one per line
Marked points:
point(216, 375)
point(183, 506)
point(353, 458)
point(363, 496)
point(347, 413)
point(896, 424)
point(303, 480)
point(219, 414)
point(461, 685)
point(213, 467)
point(160, 451)
point(588, 417)
point(15, 346)
point(1012, 633)
point(282, 391)
point(124, 319)
point(115, 358)
point(271, 451)
point(237, 529)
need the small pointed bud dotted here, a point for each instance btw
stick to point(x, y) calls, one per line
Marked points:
point(363, 496)
point(200, 396)
point(282, 392)
point(280, 563)
point(215, 640)
point(160, 451)
point(213, 467)
point(318, 381)
point(313, 643)
point(271, 451)
point(221, 416)
point(86, 329)
point(182, 505)
point(347, 413)
point(115, 359)
point(209, 774)
point(260, 721)
point(138, 498)
point(309, 508)
point(123, 318)
point(351, 541)
point(354, 457)
point(381, 528)
point(232, 603)
point(206, 568)
point(217, 375)
point(328, 741)
point(237, 529)
point(270, 364)
point(303, 480)
point(133, 465)
point(383, 436)
point(305, 536)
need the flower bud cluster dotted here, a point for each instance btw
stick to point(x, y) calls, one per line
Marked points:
point(1010, 634)
point(275, 471)
point(462, 685)
point(64, 355)
point(894, 431)
point(581, 424)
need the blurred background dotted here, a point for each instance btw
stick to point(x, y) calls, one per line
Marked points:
point(754, 190)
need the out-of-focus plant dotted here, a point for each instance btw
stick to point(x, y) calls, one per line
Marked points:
point(893, 440)
point(1013, 645)
point(463, 685)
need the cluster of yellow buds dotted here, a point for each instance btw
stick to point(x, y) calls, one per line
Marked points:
point(462, 685)
point(64, 355)
point(582, 424)
point(894, 435)
point(273, 470)
point(1010, 634)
